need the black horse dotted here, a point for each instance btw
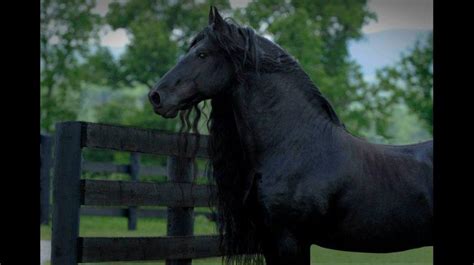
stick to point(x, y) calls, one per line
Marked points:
point(288, 173)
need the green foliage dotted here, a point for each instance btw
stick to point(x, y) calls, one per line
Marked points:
point(408, 82)
point(101, 69)
point(67, 29)
point(147, 58)
point(407, 130)
point(411, 81)
point(160, 31)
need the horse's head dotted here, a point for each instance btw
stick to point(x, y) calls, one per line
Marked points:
point(203, 72)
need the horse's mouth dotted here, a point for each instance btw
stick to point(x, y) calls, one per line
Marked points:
point(172, 112)
point(168, 114)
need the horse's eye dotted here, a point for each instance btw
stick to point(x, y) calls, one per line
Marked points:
point(202, 55)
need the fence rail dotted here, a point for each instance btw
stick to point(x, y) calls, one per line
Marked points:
point(134, 169)
point(45, 171)
point(107, 167)
point(129, 139)
point(99, 249)
point(180, 195)
point(116, 193)
point(124, 212)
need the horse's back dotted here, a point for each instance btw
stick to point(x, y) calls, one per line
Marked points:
point(421, 151)
point(424, 151)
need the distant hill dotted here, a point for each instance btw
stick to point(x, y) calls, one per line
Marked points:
point(383, 48)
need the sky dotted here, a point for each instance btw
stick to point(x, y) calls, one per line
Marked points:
point(401, 14)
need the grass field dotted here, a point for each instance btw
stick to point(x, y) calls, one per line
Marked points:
point(117, 226)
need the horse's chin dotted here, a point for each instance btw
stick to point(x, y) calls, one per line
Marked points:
point(168, 114)
point(172, 112)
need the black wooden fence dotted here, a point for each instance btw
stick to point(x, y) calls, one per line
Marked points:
point(134, 170)
point(45, 169)
point(180, 195)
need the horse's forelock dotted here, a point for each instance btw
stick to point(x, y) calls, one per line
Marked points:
point(239, 44)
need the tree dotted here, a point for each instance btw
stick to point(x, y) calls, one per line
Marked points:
point(67, 29)
point(101, 69)
point(410, 81)
point(160, 31)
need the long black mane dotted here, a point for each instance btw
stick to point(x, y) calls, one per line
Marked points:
point(239, 233)
point(249, 54)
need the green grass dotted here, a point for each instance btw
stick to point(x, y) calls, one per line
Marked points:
point(117, 226)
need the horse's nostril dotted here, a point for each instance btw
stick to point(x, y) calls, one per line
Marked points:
point(155, 98)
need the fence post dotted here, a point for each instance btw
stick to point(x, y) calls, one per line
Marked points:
point(66, 194)
point(180, 220)
point(45, 171)
point(134, 173)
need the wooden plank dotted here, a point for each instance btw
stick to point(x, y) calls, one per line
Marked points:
point(102, 249)
point(161, 171)
point(93, 211)
point(127, 193)
point(153, 171)
point(134, 174)
point(140, 140)
point(180, 219)
point(105, 167)
point(66, 194)
point(123, 212)
point(45, 177)
point(157, 213)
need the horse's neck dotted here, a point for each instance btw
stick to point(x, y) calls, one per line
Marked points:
point(277, 110)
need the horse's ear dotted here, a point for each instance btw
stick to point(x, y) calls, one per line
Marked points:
point(211, 15)
point(216, 18)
